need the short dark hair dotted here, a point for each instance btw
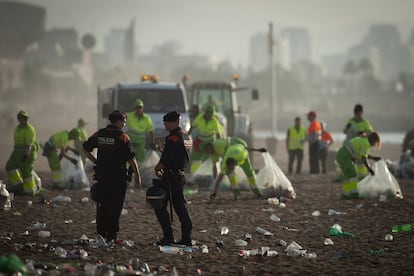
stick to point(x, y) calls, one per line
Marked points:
point(373, 138)
point(117, 115)
point(231, 161)
point(358, 108)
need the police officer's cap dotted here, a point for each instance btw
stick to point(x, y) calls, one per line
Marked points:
point(172, 116)
point(117, 115)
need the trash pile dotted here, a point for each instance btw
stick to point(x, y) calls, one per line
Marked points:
point(382, 183)
point(271, 180)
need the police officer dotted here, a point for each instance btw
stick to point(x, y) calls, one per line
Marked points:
point(114, 151)
point(173, 161)
point(20, 164)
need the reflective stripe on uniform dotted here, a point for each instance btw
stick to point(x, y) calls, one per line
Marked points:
point(29, 186)
point(350, 186)
point(57, 179)
point(15, 177)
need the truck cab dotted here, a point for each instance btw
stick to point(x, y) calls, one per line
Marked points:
point(158, 97)
point(223, 95)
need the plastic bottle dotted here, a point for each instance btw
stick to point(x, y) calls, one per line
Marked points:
point(274, 218)
point(169, 249)
point(310, 255)
point(328, 241)
point(240, 242)
point(333, 212)
point(44, 234)
point(401, 228)
point(282, 243)
point(219, 244)
point(263, 231)
point(224, 230)
point(272, 253)
point(62, 253)
point(204, 249)
point(316, 213)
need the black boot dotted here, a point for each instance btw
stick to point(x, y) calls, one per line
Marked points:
point(185, 240)
point(165, 241)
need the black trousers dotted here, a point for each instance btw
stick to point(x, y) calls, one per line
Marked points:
point(323, 154)
point(298, 155)
point(108, 211)
point(314, 158)
point(173, 186)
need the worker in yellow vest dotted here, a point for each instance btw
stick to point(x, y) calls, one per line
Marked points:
point(208, 129)
point(138, 125)
point(59, 141)
point(236, 155)
point(356, 150)
point(20, 164)
point(295, 140)
point(83, 136)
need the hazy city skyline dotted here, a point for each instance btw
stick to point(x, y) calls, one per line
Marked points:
point(223, 28)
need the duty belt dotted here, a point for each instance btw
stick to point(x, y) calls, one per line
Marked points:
point(174, 170)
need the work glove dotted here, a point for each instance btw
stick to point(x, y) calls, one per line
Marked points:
point(74, 161)
point(371, 171)
point(24, 158)
point(376, 159)
point(262, 150)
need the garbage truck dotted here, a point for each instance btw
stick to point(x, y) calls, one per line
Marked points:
point(223, 95)
point(158, 97)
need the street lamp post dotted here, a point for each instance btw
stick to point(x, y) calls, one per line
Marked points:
point(272, 140)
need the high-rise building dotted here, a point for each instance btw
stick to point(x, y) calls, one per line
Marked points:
point(294, 46)
point(259, 52)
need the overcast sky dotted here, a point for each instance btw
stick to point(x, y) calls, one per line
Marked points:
point(224, 27)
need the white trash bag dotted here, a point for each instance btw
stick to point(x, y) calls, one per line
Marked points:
point(146, 167)
point(241, 180)
point(382, 183)
point(150, 160)
point(271, 181)
point(73, 176)
point(203, 176)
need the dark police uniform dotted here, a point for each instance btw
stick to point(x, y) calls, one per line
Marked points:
point(114, 150)
point(175, 159)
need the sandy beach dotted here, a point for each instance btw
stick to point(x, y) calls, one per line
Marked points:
point(367, 252)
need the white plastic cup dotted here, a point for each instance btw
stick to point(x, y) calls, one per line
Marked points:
point(240, 242)
point(44, 234)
